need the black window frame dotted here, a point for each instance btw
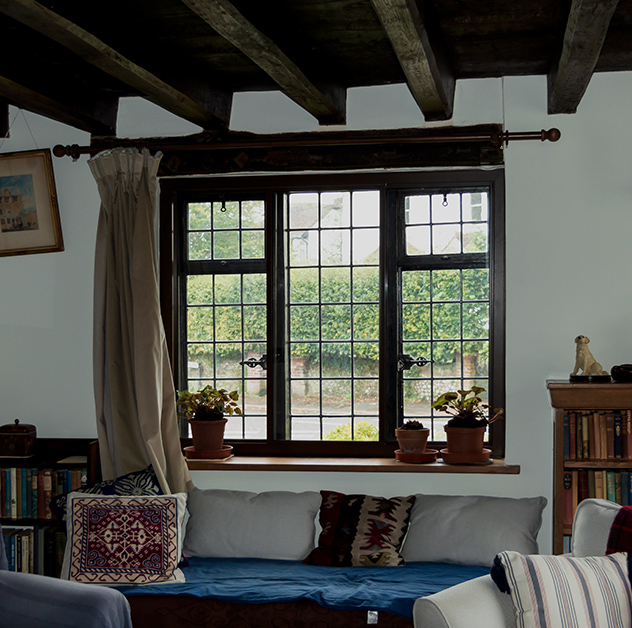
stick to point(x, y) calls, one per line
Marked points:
point(176, 193)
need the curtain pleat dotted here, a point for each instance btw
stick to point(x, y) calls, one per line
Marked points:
point(134, 392)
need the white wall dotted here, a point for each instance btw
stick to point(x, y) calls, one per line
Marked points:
point(568, 240)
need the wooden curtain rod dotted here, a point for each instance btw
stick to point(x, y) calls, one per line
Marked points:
point(496, 139)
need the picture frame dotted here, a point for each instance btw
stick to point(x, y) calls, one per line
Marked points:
point(29, 213)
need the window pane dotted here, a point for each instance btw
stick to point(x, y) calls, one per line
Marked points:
point(226, 215)
point(336, 359)
point(416, 322)
point(475, 284)
point(335, 247)
point(252, 244)
point(417, 240)
point(226, 245)
point(199, 216)
point(446, 285)
point(417, 210)
point(366, 208)
point(416, 285)
point(446, 239)
point(366, 246)
point(446, 320)
point(335, 285)
point(199, 245)
point(446, 208)
point(343, 285)
point(253, 214)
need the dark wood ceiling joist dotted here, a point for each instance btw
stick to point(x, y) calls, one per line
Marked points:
point(586, 30)
point(327, 105)
point(97, 117)
point(213, 111)
point(428, 73)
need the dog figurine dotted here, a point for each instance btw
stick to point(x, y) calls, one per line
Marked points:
point(584, 359)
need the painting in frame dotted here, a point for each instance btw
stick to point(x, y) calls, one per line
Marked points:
point(29, 214)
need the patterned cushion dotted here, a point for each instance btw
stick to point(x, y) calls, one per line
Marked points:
point(143, 482)
point(124, 540)
point(360, 530)
point(556, 591)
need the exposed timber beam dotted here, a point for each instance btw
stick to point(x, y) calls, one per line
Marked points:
point(97, 119)
point(327, 105)
point(212, 112)
point(427, 70)
point(586, 29)
point(4, 118)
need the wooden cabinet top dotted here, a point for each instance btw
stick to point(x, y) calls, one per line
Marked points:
point(587, 396)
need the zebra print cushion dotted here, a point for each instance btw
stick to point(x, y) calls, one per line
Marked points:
point(562, 591)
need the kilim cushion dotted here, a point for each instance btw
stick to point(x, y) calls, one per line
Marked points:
point(143, 482)
point(561, 591)
point(124, 540)
point(361, 530)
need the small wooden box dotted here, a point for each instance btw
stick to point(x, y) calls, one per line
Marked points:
point(17, 440)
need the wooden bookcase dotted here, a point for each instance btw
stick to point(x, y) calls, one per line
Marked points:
point(55, 454)
point(568, 397)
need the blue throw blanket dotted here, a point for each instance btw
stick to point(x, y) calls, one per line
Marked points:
point(244, 580)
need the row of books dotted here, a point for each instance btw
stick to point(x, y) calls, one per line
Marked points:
point(38, 550)
point(580, 484)
point(597, 435)
point(26, 493)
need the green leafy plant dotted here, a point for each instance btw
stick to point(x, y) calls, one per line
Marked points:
point(363, 430)
point(412, 424)
point(207, 404)
point(467, 408)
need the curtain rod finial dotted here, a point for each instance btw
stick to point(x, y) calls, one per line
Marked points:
point(552, 135)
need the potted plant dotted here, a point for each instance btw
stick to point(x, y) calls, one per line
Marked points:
point(412, 437)
point(465, 431)
point(205, 410)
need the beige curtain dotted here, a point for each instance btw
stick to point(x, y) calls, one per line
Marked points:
point(134, 392)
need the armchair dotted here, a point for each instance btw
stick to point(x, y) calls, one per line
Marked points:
point(479, 604)
point(32, 601)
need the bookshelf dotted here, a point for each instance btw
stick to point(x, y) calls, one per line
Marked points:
point(602, 412)
point(34, 539)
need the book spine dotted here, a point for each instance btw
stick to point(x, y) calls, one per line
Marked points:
point(596, 435)
point(610, 434)
point(625, 488)
point(610, 490)
point(572, 420)
point(48, 493)
point(599, 493)
point(26, 509)
point(567, 503)
point(34, 490)
point(603, 435)
point(3, 494)
point(617, 435)
point(628, 433)
point(567, 436)
point(14, 494)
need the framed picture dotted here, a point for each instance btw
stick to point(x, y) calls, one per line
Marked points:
point(29, 215)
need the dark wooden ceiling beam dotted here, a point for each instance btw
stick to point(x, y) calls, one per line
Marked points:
point(97, 118)
point(327, 105)
point(211, 112)
point(586, 30)
point(427, 70)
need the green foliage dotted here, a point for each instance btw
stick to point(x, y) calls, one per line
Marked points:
point(215, 314)
point(362, 431)
point(207, 404)
point(467, 408)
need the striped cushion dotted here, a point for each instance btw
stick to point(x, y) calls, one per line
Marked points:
point(561, 591)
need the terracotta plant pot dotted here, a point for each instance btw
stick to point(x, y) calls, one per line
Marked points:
point(208, 435)
point(412, 441)
point(465, 445)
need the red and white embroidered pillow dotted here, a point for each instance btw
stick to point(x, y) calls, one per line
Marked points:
point(361, 530)
point(124, 540)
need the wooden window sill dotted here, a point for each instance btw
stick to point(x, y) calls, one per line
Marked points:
point(346, 465)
